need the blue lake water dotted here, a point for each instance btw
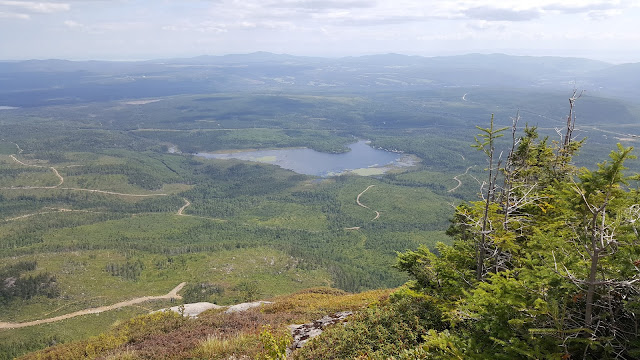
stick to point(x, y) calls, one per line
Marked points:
point(311, 162)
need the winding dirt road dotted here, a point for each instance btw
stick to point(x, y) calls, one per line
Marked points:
point(186, 203)
point(62, 182)
point(458, 180)
point(40, 166)
point(173, 294)
point(365, 206)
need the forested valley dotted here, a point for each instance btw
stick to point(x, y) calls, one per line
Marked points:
point(520, 245)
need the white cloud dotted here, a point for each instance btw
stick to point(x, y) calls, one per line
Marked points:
point(104, 27)
point(322, 4)
point(12, 15)
point(483, 25)
point(315, 26)
point(603, 14)
point(390, 12)
point(203, 27)
point(36, 7)
point(73, 24)
point(489, 13)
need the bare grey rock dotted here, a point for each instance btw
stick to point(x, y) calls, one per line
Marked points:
point(303, 333)
point(193, 309)
point(245, 306)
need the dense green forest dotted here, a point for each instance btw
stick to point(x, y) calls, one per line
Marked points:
point(543, 265)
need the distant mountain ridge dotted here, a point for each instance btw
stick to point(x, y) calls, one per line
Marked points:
point(38, 82)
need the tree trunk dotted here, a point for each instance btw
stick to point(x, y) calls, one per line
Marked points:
point(591, 289)
point(593, 271)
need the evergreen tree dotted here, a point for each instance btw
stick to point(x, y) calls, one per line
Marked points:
point(545, 265)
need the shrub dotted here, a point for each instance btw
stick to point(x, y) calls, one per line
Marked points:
point(378, 332)
point(275, 344)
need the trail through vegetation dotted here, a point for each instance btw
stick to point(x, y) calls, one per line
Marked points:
point(365, 206)
point(108, 192)
point(49, 211)
point(40, 166)
point(173, 294)
point(458, 180)
point(55, 171)
point(186, 204)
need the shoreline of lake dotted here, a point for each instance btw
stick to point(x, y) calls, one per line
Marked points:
point(362, 159)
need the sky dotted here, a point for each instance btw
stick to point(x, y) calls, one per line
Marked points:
point(151, 29)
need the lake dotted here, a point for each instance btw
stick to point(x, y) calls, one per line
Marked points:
point(362, 160)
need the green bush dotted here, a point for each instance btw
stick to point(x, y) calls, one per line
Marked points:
point(378, 332)
point(275, 344)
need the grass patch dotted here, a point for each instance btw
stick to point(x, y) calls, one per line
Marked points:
point(218, 347)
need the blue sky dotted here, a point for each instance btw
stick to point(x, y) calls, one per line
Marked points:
point(147, 29)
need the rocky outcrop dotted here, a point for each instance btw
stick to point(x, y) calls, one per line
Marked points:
point(303, 333)
point(245, 306)
point(194, 309)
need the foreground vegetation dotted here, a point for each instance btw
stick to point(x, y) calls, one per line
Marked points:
point(544, 266)
point(215, 334)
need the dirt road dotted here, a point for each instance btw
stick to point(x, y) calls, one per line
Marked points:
point(173, 294)
point(365, 206)
point(458, 180)
point(40, 166)
point(62, 182)
point(186, 203)
point(52, 210)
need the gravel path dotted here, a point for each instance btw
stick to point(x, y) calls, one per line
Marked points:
point(458, 180)
point(186, 203)
point(173, 294)
point(365, 206)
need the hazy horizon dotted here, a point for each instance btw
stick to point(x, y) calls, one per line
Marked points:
point(611, 58)
point(144, 29)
